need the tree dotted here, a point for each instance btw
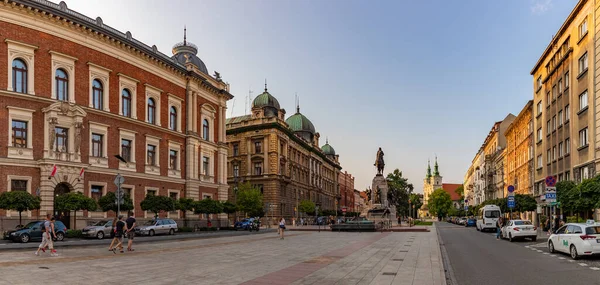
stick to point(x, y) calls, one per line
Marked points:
point(415, 201)
point(249, 200)
point(19, 201)
point(74, 201)
point(398, 191)
point(439, 202)
point(460, 191)
point(156, 204)
point(524, 203)
point(564, 194)
point(185, 204)
point(228, 208)
point(306, 206)
point(108, 202)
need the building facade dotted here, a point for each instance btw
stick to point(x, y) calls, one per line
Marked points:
point(518, 166)
point(469, 186)
point(565, 138)
point(359, 202)
point(346, 182)
point(76, 92)
point(281, 157)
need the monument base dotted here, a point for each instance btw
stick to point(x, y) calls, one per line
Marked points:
point(379, 208)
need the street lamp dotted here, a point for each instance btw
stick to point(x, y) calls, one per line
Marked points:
point(118, 181)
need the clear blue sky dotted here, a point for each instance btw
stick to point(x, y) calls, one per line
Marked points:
point(417, 78)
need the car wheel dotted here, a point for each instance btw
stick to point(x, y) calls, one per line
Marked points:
point(574, 253)
point(100, 235)
point(533, 238)
point(60, 236)
point(151, 233)
point(24, 238)
point(551, 247)
point(171, 232)
point(510, 238)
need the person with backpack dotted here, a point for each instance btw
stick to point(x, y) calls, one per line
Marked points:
point(47, 227)
point(130, 231)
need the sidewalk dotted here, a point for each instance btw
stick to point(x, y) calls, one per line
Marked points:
point(395, 228)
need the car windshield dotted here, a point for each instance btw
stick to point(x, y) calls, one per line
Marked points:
point(592, 230)
point(520, 223)
point(492, 214)
point(30, 225)
point(150, 223)
point(101, 223)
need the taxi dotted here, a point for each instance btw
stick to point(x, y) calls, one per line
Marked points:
point(576, 239)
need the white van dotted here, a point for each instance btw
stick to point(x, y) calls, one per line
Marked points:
point(488, 217)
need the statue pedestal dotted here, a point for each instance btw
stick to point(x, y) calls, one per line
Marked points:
point(380, 202)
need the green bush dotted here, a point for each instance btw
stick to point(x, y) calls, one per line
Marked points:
point(420, 223)
point(74, 234)
point(574, 219)
point(186, 229)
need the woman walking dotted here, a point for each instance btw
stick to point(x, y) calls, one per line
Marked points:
point(119, 235)
point(499, 225)
point(281, 227)
point(114, 230)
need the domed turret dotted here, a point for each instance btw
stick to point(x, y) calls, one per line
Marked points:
point(301, 125)
point(186, 52)
point(328, 149)
point(267, 103)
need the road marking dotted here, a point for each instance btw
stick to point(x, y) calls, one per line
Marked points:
point(583, 264)
point(538, 250)
point(571, 260)
point(561, 257)
point(546, 253)
point(526, 246)
point(594, 268)
point(534, 249)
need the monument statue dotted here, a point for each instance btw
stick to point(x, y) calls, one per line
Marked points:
point(379, 163)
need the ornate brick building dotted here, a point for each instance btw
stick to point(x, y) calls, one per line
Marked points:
point(75, 92)
point(346, 181)
point(281, 157)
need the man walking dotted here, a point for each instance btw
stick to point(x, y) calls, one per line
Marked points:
point(130, 231)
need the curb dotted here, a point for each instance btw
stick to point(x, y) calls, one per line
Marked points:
point(448, 271)
point(106, 242)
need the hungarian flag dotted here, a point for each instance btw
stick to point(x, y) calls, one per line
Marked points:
point(53, 172)
point(81, 173)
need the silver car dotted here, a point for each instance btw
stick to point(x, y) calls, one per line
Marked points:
point(98, 230)
point(157, 226)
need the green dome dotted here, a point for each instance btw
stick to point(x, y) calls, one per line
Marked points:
point(265, 100)
point(328, 149)
point(300, 123)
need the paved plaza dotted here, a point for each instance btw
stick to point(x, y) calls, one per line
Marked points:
point(301, 258)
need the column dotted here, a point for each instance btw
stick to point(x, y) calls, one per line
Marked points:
point(266, 155)
point(248, 155)
point(190, 109)
point(195, 112)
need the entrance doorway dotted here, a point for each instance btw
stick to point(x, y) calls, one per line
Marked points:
point(64, 216)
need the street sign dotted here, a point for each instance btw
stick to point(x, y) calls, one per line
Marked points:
point(344, 210)
point(550, 181)
point(511, 188)
point(511, 198)
point(511, 203)
point(118, 201)
point(466, 207)
point(550, 194)
point(119, 180)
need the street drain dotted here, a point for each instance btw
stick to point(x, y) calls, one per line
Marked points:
point(389, 273)
point(398, 259)
point(43, 267)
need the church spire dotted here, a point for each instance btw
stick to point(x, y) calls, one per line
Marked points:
point(436, 171)
point(428, 169)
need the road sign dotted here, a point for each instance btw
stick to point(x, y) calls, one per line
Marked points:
point(118, 201)
point(550, 194)
point(344, 210)
point(466, 207)
point(511, 203)
point(119, 180)
point(511, 188)
point(511, 198)
point(550, 181)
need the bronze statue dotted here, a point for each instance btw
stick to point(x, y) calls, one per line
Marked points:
point(379, 162)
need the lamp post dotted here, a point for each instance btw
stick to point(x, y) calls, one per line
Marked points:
point(118, 181)
point(317, 214)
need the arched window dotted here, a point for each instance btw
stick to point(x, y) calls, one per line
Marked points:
point(126, 102)
point(62, 85)
point(151, 111)
point(19, 76)
point(173, 118)
point(205, 129)
point(97, 94)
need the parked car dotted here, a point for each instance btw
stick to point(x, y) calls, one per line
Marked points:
point(244, 224)
point(33, 232)
point(519, 229)
point(157, 226)
point(462, 221)
point(577, 239)
point(99, 230)
point(471, 222)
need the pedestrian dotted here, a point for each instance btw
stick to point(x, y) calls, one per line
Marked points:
point(301, 221)
point(47, 233)
point(499, 225)
point(114, 231)
point(130, 223)
point(281, 227)
point(399, 220)
point(556, 222)
point(548, 226)
point(119, 235)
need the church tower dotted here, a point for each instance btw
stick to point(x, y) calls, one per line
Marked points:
point(436, 179)
point(430, 184)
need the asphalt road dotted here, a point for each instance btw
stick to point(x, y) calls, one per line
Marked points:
point(477, 258)
point(72, 242)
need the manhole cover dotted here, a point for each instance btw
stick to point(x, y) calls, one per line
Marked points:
point(43, 267)
point(398, 259)
point(389, 273)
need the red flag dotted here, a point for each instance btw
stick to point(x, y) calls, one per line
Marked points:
point(81, 172)
point(53, 172)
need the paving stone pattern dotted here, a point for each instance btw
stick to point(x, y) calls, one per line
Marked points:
point(301, 258)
